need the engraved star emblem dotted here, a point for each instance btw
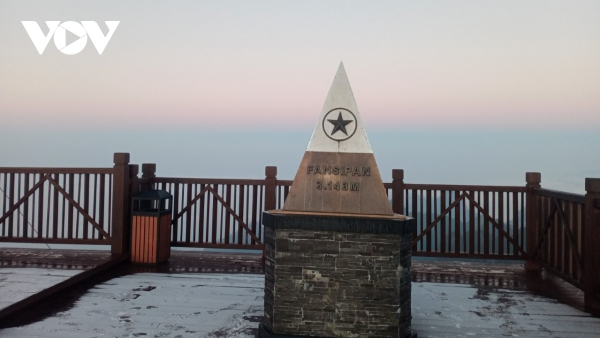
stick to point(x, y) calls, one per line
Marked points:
point(339, 124)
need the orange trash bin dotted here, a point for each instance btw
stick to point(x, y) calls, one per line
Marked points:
point(151, 217)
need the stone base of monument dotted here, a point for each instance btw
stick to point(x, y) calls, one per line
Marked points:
point(335, 275)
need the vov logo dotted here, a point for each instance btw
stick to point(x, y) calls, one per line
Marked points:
point(59, 31)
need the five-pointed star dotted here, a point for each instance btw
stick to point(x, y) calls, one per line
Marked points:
point(339, 124)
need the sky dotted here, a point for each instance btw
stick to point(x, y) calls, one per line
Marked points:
point(454, 92)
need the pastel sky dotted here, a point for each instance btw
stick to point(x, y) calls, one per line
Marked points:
point(234, 67)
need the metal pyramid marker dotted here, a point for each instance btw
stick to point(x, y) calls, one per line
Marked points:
point(338, 173)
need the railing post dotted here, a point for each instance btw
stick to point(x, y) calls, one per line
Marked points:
point(134, 185)
point(120, 208)
point(270, 187)
point(398, 191)
point(149, 172)
point(591, 255)
point(533, 180)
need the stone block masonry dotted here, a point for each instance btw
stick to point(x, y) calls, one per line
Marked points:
point(351, 280)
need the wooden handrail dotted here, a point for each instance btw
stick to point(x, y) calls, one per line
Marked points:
point(451, 187)
point(561, 195)
point(208, 181)
point(50, 170)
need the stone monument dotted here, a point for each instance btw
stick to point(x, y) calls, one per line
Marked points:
point(337, 258)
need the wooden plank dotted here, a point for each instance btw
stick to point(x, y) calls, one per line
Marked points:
point(443, 239)
point(86, 202)
point(214, 215)
point(70, 189)
point(436, 229)
point(515, 217)
point(134, 239)
point(493, 229)
point(422, 220)
point(260, 208)
point(568, 242)
point(457, 223)
point(472, 226)
point(522, 220)
point(240, 211)
point(101, 199)
point(255, 212)
point(51, 170)
point(575, 220)
point(77, 200)
point(188, 215)
point(26, 207)
point(248, 213)
point(195, 210)
point(19, 229)
point(175, 220)
point(201, 218)
point(501, 223)
point(428, 211)
point(463, 255)
point(465, 187)
point(480, 231)
point(54, 223)
point(560, 236)
point(153, 240)
point(217, 245)
point(110, 204)
point(228, 230)
point(11, 194)
point(414, 215)
point(561, 195)
point(208, 181)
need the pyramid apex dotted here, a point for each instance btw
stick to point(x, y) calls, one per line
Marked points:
point(339, 127)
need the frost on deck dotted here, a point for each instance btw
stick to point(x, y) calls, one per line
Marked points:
point(159, 305)
point(17, 284)
point(230, 305)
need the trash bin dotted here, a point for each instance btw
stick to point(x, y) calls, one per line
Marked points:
point(151, 227)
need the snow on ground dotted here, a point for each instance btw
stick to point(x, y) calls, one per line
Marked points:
point(459, 310)
point(231, 305)
point(18, 283)
point(159, 305)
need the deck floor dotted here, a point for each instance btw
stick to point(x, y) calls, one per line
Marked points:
point(17, 283)
point(208, 294)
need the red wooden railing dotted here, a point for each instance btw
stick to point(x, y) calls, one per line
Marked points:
point(558, 230)
point(560, 233)
point(56, 205)
point(216, 213)
point(467, 221)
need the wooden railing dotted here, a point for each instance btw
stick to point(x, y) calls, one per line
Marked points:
point(560, 233)
point(67, 205)
point(56, 205)
point(558, 230)
point(467, 221)
point(217, 213)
